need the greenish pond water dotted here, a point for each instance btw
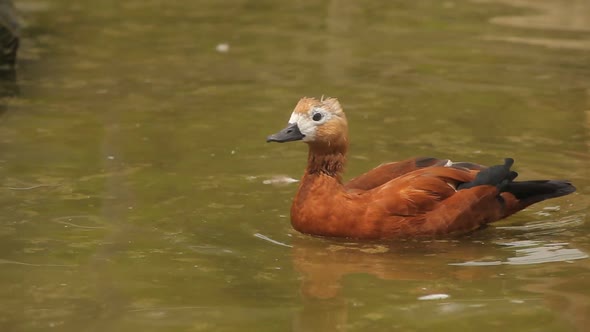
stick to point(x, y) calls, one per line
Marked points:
point(138, 192)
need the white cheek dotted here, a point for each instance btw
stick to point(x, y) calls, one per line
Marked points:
point(306, 126)
point(294, 117)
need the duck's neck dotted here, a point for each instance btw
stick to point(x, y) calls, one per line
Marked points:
point(326, 161)
point(319, 192)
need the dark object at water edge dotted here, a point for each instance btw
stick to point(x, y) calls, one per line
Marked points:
point(9, 34)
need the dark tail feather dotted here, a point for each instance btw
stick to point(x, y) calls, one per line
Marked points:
point(530, 192)
point(498, 175)
point(525, 192)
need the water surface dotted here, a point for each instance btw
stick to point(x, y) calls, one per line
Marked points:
point(138, 192)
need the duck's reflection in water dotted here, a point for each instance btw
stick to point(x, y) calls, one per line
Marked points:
point(424, 268)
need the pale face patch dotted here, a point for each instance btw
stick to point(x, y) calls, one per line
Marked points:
point(308, 122)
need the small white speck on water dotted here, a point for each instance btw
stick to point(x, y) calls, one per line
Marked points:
point(434, 297)
point(222, 47)
point(111, 157)
point(542, 214)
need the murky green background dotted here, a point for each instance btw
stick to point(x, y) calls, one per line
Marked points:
point(138, 193)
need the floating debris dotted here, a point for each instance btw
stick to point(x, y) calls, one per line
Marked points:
point(266, 238)
point(434, 297)
point(33, 187)
point(280, 179)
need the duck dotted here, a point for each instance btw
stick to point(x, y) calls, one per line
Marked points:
point(417, 197)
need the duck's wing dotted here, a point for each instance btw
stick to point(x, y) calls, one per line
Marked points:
point(427, 202)
point(421, 191)
point(389, 171)
point(446, 200)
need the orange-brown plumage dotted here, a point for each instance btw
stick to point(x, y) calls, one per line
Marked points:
point(414, 197)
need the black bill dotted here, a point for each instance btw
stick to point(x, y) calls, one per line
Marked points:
point(291, 133)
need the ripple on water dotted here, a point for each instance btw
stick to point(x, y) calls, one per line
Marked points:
point(556, 252)
point(548, 226)
point(84, 222)
point(533, 252)
point(553, 15)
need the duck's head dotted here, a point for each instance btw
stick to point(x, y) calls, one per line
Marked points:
point(320, 123)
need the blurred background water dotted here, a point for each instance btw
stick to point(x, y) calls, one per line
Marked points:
point(138, 191)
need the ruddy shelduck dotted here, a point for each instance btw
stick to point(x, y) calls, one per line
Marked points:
point(418, 197)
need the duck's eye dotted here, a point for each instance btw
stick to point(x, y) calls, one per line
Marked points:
point(317, 117)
